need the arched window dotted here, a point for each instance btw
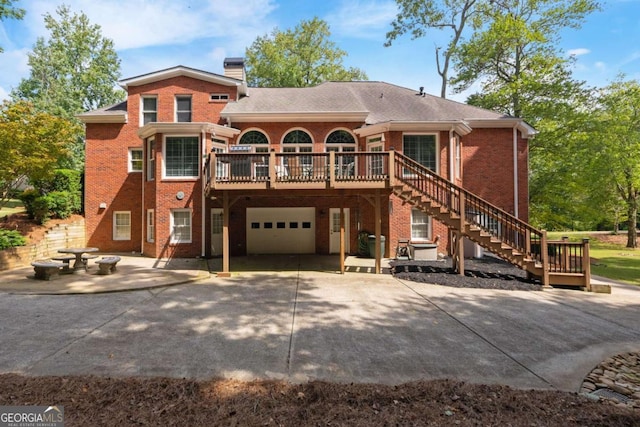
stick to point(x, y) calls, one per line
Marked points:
point(342, 141)
point(298, 141)
point(297, 137)
point(257, 139)
point(340, 137)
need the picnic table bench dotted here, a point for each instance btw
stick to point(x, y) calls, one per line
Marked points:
point(66, 259)
point(45, 269)
point(107, 264)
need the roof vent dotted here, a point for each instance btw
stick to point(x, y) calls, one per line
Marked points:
point(422, 92)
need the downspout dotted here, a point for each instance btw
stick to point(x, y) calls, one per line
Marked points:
point(516, 195)
point(203, 220)
point(452, 154)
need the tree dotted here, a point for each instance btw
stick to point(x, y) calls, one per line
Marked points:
point(513, 46)
point(616, 146)
point(300, 57)
point(76, 70)
point(31, 143)
point(9, 11)
point(419, 16)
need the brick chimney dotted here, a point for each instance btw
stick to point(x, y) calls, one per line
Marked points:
point(234, 68)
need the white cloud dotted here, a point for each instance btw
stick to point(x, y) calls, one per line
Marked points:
point(601, 66)
point(139, 23)
point(578, 52)
point(12, 67)
point(365, 19)
point(631, 57)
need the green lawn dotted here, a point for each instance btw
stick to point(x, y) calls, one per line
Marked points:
point(609, 260)
point(12, 206)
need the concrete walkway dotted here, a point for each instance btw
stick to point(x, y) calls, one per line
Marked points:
point(300, 320)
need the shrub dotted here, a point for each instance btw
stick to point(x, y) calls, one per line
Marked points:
point(61, 204)
point(57, 197)
point(28, 198)
point(11, 238)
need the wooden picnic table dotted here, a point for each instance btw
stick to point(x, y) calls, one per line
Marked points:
point(78, 252)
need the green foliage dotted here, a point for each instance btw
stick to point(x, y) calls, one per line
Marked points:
point(60, 204)
point(74, 71)
point(55, 197)
point(28, 198)
point(7, 10)
point(512, 50)
point(300, 57)
point(614, 160)
point(41, 210)
point(11, 239)
point(417, 17)
point(32, 143)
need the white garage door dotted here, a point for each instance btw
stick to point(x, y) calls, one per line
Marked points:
point(281, 231)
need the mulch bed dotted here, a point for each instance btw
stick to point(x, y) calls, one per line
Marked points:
point(94, 401)
point(488, 272)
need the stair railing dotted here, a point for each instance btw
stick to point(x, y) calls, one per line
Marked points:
point(478, 212)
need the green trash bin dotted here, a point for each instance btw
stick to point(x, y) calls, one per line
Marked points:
point(372, 245)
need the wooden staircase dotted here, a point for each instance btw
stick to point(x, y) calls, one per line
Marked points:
point(468, 216)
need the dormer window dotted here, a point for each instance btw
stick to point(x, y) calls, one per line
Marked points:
point(218, 97)
point(183, 108)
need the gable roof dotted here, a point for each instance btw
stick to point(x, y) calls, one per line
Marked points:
point(374, 103)
point(116, 113)
point(181, 70)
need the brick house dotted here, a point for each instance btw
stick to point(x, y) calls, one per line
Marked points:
point(198, 164)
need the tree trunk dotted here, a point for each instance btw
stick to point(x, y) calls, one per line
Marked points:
point(632, 234)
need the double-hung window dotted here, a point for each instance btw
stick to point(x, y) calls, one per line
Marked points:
point(122, 225)
point(181, 157)
point(420, 225)
point(135, 159)
point(180, 226)
point(151, 226)
point(149, 109)
point(183, 108)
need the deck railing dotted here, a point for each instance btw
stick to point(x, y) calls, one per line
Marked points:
point(239, 168)
point(389, 169)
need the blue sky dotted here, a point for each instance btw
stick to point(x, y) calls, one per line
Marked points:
point(152, 35)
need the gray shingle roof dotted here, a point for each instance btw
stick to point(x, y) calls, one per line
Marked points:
point(384, 102)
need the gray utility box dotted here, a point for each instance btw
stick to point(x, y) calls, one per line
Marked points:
point(423, 251)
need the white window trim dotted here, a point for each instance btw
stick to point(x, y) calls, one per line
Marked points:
point(151, 160)
point(429, 228)
point(172, 239)
point(115, 214)
point(164, 160)
point(142, 111)
point(151, 225)
point(437, 138)
point(175, 108)
point(130, 160)
point(219, 97)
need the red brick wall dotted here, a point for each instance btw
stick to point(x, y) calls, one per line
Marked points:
point(107, 180)
point(487, 158)
point(488, 168)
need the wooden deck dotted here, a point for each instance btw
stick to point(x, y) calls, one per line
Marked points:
point(467, 215)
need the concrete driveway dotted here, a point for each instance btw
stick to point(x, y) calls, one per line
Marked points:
point(305, 325)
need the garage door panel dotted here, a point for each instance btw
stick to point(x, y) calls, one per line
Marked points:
point(281, 230)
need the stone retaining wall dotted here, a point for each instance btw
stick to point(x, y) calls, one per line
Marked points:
point(57, 237)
